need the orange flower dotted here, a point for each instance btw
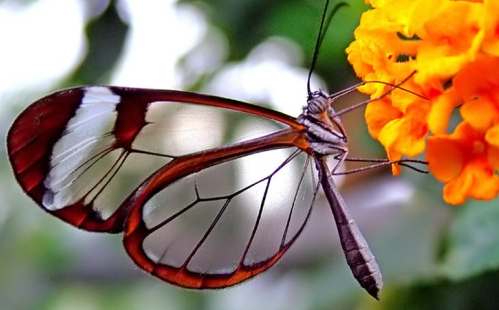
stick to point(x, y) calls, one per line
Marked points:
point(490, 26)
point(453, 46)
point(406, 134)
point(465, 162)
point(450, 38)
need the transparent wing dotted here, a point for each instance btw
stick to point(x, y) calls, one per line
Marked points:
point(79, 153)
point(223, 224)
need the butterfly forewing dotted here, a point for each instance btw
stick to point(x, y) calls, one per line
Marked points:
point(80, 152)
point(225, 223)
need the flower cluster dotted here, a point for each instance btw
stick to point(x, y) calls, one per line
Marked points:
point(453, 46)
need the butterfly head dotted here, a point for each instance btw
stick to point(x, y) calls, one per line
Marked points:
point(323, 124)
point(317, 102)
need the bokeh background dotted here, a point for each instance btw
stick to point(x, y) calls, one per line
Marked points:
point(433, 256)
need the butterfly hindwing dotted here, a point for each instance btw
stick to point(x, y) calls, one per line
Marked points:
point(223, 224)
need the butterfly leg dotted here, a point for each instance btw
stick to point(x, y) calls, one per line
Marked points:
point(379, 163)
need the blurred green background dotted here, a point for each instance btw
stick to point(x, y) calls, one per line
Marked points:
point(432, 256)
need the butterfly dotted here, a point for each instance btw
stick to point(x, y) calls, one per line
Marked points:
point(71, 150)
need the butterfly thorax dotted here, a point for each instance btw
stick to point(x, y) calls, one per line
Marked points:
point(325, 133)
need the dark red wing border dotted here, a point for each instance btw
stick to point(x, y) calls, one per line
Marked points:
point(143, 97)
point(30, 142)
point(32, 136)
point(136, 230)
point(188, 279)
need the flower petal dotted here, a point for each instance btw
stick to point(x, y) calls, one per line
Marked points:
point(492, 135)
point(441, 111)
point(493, 156)
point(485, 183)
point(449, 45)
point(479, 113)
point(445, 158)
point(407, 134)
point(491, 27)
point(456, 191)
point(378, 114)
point(477, 78)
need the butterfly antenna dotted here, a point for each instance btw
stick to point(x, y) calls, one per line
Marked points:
point(325, 21)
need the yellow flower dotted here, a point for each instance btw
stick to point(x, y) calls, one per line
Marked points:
point(453, 46)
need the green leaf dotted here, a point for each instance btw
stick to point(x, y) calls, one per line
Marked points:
point(475, 293)
point(106, 36)
point(473, 241)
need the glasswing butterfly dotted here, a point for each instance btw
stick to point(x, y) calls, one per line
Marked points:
point(71, 150)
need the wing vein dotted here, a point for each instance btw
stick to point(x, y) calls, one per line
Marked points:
point(118, 164)
point(210, 229)
point(257, 222)
point(91, 161)
point(294, 201)
point(173, 216)
point(309, 212)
